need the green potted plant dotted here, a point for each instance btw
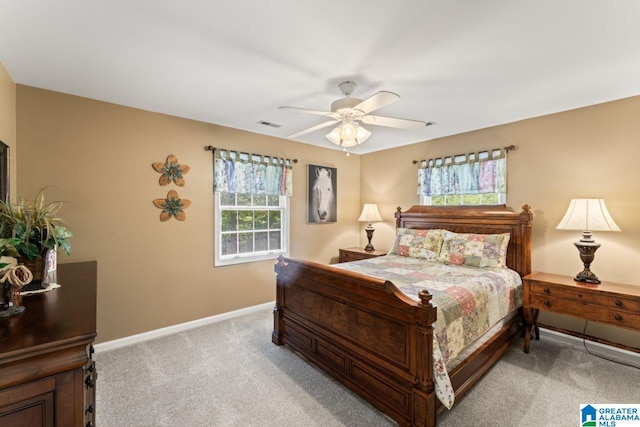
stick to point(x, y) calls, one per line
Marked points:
point(35, 229)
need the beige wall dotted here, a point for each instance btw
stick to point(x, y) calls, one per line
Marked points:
point(588, 152)
point(153, 274)
point(8, 122)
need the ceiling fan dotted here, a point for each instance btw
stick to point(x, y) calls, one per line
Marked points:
point(350, 113)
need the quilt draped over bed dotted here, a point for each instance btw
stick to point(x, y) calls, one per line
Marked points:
point(470, 301)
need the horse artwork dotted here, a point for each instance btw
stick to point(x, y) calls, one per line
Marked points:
point(322, 183)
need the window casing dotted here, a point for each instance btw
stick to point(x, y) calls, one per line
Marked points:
point(250, 227)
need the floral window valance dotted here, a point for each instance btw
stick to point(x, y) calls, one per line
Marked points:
point(473, 173)
point(236, 172)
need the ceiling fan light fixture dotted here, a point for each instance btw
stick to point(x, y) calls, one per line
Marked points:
point(348, 135)
point(334, 135)
point(349, 113)
point(362, 134)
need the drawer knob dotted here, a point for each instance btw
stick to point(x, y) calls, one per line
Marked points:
point(89, 409)
point(618, 317)
point(547, 291)
point(89, 382)
point(547, 303)
point(618, 303)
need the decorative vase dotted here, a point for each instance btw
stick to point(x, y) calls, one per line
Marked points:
point(37, 267)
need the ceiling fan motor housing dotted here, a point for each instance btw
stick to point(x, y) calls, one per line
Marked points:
point(344, 103)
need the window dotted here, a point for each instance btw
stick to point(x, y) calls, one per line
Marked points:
point(250, 227)
point(251, 194)
point(463, 199)
point(467, 179)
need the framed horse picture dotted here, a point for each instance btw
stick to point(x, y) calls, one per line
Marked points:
point(322, 193)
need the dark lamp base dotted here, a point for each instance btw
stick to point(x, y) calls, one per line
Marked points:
point(587, 277)
point(587, 248)
point(369, 231)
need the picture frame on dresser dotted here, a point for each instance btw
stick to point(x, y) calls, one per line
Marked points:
point(4, 171)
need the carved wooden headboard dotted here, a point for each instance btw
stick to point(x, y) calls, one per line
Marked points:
point(480, 220)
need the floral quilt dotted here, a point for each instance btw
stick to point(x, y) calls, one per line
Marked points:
point(470, 301)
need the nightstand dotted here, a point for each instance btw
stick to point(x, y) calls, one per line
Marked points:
point(610, 303)
point(357, 253)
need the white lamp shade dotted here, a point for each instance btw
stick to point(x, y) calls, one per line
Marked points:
point(370, 213)
point(587, 214)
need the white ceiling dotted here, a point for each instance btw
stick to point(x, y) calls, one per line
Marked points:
point(463, 64)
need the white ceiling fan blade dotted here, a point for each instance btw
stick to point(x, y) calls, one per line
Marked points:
point(308, 111)
point(379, 100)
point(313, 128)
point(395, 123)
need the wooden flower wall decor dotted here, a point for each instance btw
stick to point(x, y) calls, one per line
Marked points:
point(172, 206)
point(171, 171)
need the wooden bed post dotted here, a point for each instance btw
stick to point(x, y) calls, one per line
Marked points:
point(424, 396)
point(398, 216)
point(526, 217)
point(278, 321)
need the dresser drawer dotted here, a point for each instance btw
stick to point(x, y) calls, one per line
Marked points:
point(346, 256)
point(593, 297)
point(586, 311)
point(357, 254)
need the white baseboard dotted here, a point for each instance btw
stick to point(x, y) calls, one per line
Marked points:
point(610, 352)
point(134, 339)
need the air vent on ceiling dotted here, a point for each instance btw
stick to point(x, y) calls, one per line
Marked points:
point(273, 125)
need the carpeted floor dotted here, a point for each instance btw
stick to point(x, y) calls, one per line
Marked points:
point(230, 374)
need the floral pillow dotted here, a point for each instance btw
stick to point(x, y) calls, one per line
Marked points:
point(418, 243)
point(475, 250)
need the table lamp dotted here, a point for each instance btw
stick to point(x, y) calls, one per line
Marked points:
point(370, 214)
point(587, 215)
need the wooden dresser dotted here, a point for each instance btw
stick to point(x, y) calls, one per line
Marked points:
point(610, 303)
point(357, 253)
point(47, 376)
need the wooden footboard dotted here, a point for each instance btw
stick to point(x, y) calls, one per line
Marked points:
point(374, 339)
point(364, 332)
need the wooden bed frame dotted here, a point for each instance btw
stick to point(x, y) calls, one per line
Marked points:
point(375, 340)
